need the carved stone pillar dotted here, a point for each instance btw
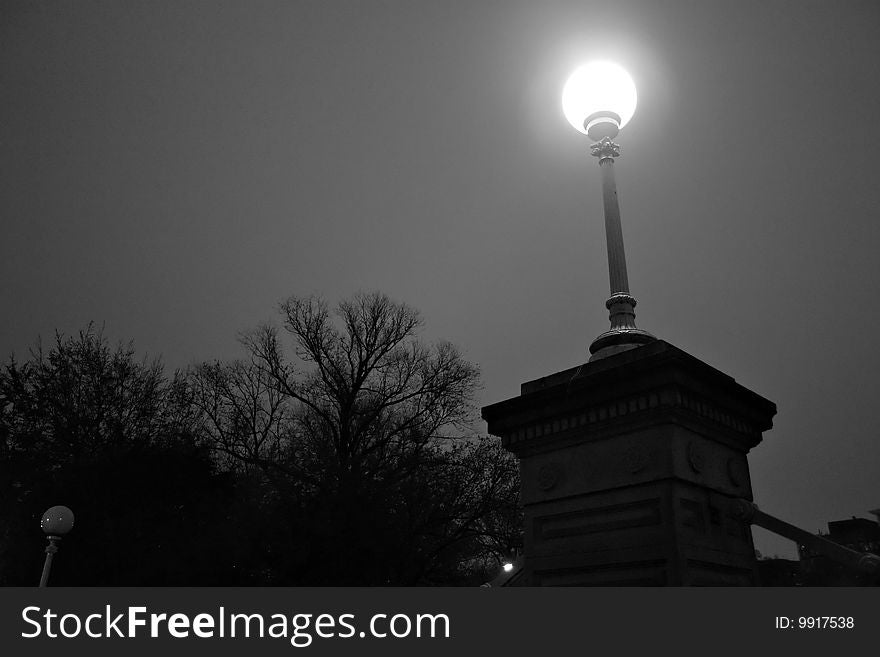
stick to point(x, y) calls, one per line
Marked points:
point(627, 466)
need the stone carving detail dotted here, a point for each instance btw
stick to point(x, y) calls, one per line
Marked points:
point(695, 457)
point(549, 475)
point(633, 404)
point(605, 148)
point(641, 513)
point(711, 412)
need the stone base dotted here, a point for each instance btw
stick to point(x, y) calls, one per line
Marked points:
point(628, 465)
point(664, 533)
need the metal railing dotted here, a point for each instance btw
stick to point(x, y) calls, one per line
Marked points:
point(746, 511)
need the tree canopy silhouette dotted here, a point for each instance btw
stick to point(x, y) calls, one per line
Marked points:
point(347, 459)
point(360, 436)
point(93, 428)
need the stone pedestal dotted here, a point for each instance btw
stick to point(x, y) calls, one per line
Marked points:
point(628, 464)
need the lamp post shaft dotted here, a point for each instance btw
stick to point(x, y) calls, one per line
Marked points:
point(51, 549)
point(613, 231)
point(623, 333)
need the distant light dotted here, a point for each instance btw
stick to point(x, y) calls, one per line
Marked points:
point(57, 521)
point(603, 93)
point(507, 567)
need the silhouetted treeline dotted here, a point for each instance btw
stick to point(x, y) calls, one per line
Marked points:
point(346, 462)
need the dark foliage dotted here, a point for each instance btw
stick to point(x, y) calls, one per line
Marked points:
point(359, 440)
point(349, 464)
point(89, 427)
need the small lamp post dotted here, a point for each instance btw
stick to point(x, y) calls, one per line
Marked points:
point(598, 100)
point(56, 522)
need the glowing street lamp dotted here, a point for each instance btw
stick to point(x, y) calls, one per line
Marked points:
point(598, 100)
point(56, 522)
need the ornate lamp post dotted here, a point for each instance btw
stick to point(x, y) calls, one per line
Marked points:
point(598, 100)
point(56, 522)
point(627, 465)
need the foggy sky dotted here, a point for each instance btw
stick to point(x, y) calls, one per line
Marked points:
point(173, 170)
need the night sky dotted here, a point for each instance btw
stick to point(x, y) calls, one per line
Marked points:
point(173, 170)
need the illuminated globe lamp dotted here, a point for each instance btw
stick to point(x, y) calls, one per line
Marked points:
point(598, 100)
point(56, 523)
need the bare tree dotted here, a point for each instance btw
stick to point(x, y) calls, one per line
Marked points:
point(244, 414)
point(364, 427)
point(364, 393)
